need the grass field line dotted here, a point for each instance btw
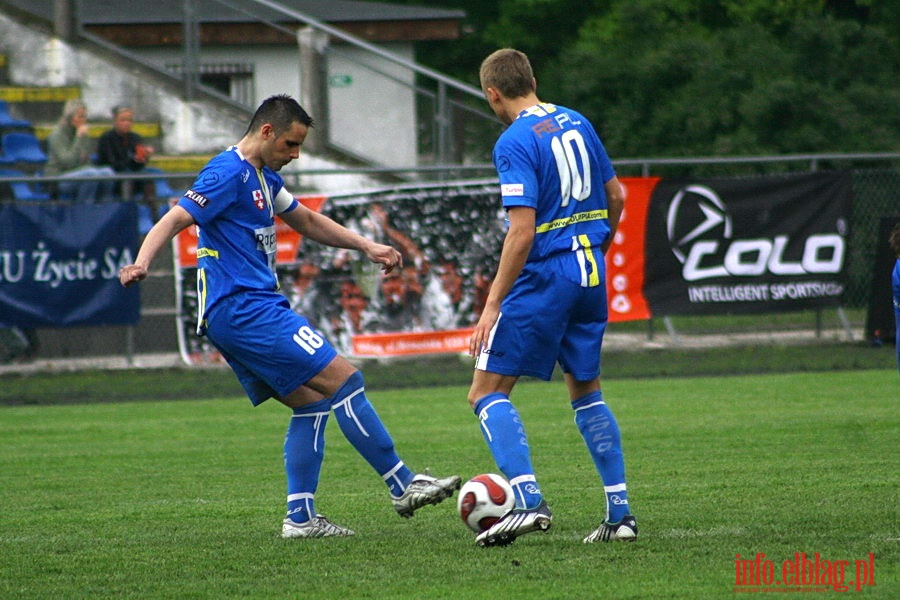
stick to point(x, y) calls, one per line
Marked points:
point(612, 342)
point(184, 499)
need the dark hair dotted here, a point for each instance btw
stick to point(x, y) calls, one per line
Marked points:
point(280, 111)
point(894, 239)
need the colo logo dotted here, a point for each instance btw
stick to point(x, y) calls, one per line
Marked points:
point(700, 234)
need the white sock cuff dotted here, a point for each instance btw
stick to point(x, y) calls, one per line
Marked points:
point(483, 413)
point(590, 405)
point(348, 397)
point(522, 479)
point(393, 471)
point(300, 496)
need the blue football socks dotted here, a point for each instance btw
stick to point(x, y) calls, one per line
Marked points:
point(600, 431)
point(505, 436)
point(363, 428)
point(304, 449)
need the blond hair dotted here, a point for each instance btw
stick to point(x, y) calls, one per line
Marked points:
point(509, 72)
point(70, 108)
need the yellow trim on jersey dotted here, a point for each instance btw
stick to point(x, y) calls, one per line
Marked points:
point(594, 277)
point(202, 252)
point(201, 300)
point(593, 215)
point(542, 109)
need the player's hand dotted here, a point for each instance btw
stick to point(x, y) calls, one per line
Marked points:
point(131, 274)
point(386, 256)
point(482, 330)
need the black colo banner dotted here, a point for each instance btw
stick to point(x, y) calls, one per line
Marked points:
point(747, 245)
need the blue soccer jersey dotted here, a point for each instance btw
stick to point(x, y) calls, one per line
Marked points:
point(551, 159)
point(234, 205)
point(895, 286)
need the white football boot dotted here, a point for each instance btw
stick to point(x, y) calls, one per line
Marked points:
point(516, 522)
point(317, 527)
point(424, 490)
point(625, 530)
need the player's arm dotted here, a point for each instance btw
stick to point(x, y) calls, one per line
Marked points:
point(322, 229)
point(516, 247)
point(159, 235)
point(615, 200)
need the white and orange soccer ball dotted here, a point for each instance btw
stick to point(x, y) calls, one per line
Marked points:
point(484, 499)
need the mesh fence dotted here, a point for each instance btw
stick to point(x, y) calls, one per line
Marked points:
point(876, 196)
point(155, 339)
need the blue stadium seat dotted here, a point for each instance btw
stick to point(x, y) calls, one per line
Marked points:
point(7, 120)
point(22, 190)
point(164, 190)
point(23, 147)
point(145, 219)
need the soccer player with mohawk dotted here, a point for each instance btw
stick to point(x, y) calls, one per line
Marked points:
point(274, 352)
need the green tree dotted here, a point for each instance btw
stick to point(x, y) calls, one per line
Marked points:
point(702, 77)
point(664, 82)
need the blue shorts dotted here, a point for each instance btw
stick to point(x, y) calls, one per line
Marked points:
point(548, 317)
point(271, 349)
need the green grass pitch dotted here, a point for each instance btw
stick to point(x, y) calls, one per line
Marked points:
point(184, 499)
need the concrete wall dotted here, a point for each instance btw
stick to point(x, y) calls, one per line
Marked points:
point(36, 58)
point(366, 114)
point(370, 114)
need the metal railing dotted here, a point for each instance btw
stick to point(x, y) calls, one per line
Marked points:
point(644, 167)
point(452, 106)
point(874, 198)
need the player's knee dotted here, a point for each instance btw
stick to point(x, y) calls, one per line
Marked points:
point(351, 385)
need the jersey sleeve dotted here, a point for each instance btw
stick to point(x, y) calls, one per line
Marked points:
point(209, 195)
point(514, 161)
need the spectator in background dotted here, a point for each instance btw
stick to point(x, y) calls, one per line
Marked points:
point(453, 303)
point(69, 150)
point(125, 151)
point(304, 293)
point(401, 296)
point(353, 318)
point(895, 285)
point(415, 300)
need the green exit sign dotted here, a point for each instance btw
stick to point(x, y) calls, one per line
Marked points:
point(340, 80)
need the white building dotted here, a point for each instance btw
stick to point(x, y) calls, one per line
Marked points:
point(364, 104)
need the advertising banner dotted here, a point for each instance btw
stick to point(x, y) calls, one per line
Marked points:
point(699, 246)
point(450, 240)
point(59, 264)
point(747, 245)
point(625, 257)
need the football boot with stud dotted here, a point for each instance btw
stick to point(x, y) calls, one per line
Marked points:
point(425, 490)
point(625, 530)
point(515, 523)
point(317, 527)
